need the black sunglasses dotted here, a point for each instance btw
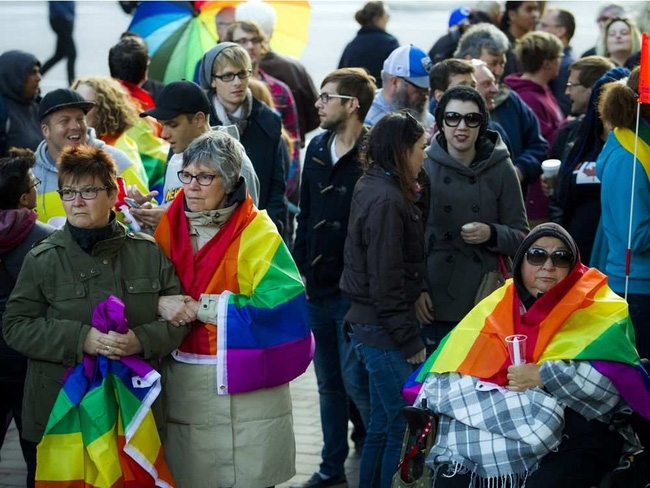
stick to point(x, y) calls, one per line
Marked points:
point(472, 119)
point(560, 258)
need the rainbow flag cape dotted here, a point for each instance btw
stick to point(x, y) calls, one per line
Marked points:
point(589, 322)
point(101, 432)
point(263, 337)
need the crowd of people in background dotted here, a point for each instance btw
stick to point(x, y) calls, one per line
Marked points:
point(250, 222)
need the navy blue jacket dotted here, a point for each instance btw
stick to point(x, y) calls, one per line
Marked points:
point(264, 146)
point(527, 146)
point(369, 49)
point(325, 199)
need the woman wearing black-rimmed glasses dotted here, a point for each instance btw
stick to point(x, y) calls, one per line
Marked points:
point(49, 316)
point(476, 210)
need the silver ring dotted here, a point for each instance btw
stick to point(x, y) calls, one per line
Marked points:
point(109, 349)
point(181, 321)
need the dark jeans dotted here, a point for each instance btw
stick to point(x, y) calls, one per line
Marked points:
point(11, 401)
point(65, 47)
point(433, 333)
point(387, 371)
point(639, 307)
point(339, 373)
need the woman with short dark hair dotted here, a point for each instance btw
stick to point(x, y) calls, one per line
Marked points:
point(476, 212)
point(51, 319)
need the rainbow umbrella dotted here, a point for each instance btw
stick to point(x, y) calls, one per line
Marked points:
point(180, 33)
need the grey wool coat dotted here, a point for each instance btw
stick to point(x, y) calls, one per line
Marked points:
point(486, 191)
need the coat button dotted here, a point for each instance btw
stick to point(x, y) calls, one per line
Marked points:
point(446, 180)
point(83, 275)
point(447, 208)
point(92, 271)
point(131, 288)
point(154, 286)
point(449, 259)
point(105, 261)
point(448, 236)
point(79, 293)
point(222, 387)
point(472, 179)
point(475, 208)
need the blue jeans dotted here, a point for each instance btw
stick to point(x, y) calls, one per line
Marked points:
point(387, 371)
point(339, 373)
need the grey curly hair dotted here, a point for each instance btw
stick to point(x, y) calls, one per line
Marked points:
point(220, 152)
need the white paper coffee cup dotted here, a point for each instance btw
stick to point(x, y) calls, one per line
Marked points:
point(551, 167)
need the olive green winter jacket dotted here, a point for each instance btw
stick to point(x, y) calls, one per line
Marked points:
point(49, 312)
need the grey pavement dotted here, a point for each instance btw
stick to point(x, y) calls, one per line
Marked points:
point(306, 419)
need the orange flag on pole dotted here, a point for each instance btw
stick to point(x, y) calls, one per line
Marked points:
point(644, 74)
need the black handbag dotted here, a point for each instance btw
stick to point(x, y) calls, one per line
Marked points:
point(412, 471)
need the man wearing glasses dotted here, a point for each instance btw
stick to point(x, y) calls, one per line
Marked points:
point(183, 112)
point(62, 114)
point(405, 79)
point(225, 71)
point(330, 172)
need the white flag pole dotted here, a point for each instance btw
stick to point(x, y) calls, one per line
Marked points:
point(628, 254)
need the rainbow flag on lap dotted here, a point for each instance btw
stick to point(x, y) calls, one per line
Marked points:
point(101, 432)
point(589, 322)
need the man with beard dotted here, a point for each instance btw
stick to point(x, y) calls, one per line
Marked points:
point(405, 79)
point(330, 172)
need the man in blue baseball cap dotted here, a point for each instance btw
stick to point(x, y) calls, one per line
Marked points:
point(405, 79)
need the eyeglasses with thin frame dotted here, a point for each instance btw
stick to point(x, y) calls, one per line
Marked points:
point(203, 179)
point(245, 40)
point(570, 85)
point(325, 97)
point(472, 119)
point(560, 258)
point(228, 77)
point(89, 193)
point(36, 183)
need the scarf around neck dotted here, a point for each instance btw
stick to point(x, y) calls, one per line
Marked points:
point(228, 119)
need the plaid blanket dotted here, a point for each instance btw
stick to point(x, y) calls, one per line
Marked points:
point(496, 434)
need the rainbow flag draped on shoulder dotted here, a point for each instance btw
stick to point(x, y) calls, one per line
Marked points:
point(262, 338)
point(101, 432)
point(589, 322)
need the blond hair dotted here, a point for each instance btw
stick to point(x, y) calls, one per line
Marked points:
point(116, 112)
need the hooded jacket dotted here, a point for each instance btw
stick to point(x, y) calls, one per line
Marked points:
point(49, 202)
point(24, 128)
point(486, 191)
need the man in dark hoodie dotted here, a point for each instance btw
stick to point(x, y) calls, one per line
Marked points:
point(20, 75)
point(19, 230)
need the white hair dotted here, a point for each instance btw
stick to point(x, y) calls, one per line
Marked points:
point(259, 12)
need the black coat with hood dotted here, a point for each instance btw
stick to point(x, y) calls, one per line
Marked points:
point(23, 128)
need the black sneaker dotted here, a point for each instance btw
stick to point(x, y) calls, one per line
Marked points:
point(317, 482)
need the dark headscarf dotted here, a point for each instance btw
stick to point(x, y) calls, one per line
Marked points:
point(548, 229)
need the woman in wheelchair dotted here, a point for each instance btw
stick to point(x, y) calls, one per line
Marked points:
point(553, 420)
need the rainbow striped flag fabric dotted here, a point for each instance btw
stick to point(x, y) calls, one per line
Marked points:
point(262, 338)
point(589, 322)
point(101, 432)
